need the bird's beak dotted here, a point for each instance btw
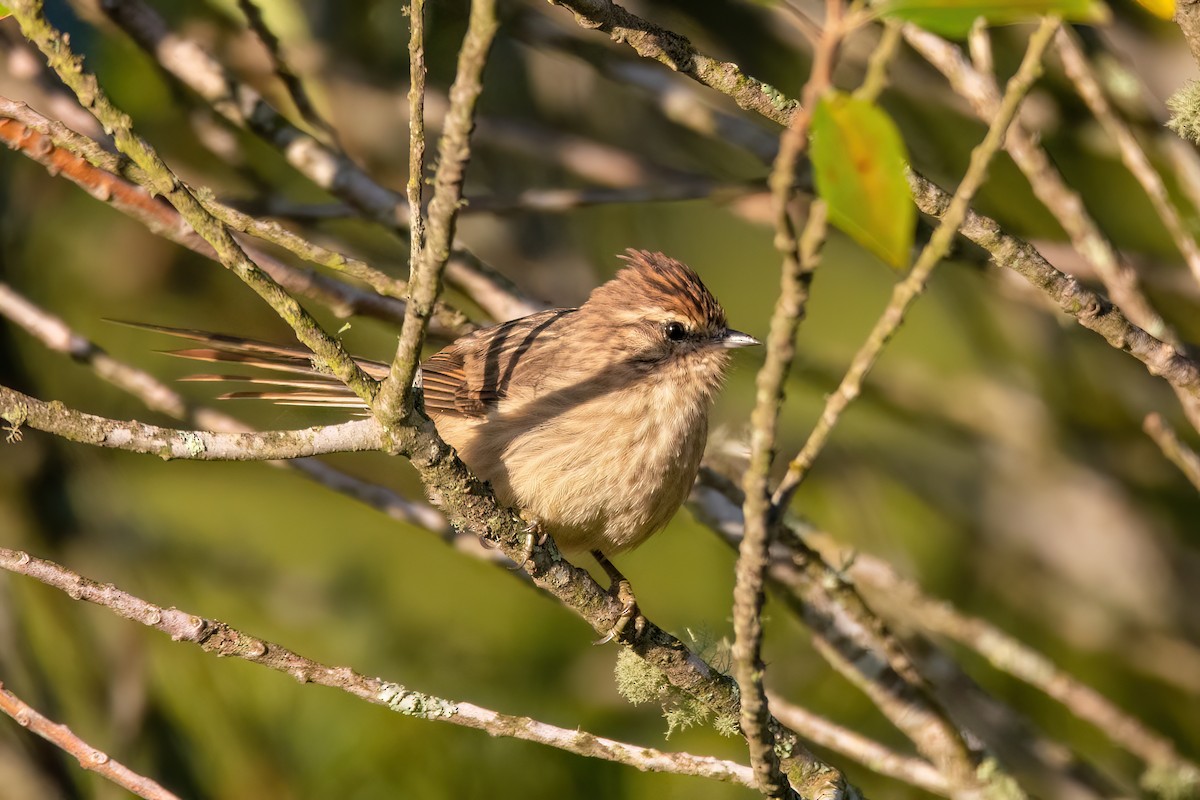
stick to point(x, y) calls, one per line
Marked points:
point(732, 338)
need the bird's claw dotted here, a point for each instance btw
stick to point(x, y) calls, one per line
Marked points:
point(622, 591)
point(534, 537)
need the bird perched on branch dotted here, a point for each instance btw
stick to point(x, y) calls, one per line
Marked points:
point(590, 420)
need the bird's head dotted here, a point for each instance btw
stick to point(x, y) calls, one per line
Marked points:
point(658, 313)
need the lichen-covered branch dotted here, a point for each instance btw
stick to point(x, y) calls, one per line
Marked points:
point(54, 334)
point(679, 54)
point(20, 410)
point(162, 181)
point(221, 639)
point(454, 152)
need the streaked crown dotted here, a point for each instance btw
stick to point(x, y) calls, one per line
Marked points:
point(653, 284)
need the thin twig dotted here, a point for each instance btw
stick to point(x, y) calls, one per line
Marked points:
point(416, 132)
point(394, 401)
point(1175, 450)
point(800, 259)
point(325, 166)
point(868, 752)
point(283, 71)
point(1076, 65)
point(845, 631)
point(89, 757)
point(875, 81)
point(908, 290)
point(220, 639)
point(1010, 655)
point(162, 181)
point(1064, 203)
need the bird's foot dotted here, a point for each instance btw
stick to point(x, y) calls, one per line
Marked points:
point(535, 536)
point(621, 590)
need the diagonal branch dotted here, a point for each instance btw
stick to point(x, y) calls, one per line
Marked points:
point(219, 638)
point(111, 179)
point(89, 757)
point(908, 290)
point(162, 181)
point(1091, 310)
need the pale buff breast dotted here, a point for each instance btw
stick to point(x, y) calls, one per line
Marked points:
point(602, 468)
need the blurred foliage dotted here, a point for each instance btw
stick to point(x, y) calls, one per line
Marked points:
point(996, 455)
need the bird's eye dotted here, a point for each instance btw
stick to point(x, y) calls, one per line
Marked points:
point(675, 331)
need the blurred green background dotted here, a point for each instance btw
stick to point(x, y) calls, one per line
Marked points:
point(996, 455)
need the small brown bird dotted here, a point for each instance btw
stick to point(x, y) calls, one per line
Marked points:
point(591, 420)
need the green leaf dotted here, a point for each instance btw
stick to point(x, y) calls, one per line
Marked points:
point(858, 159)
point(954, 18)
point(4, 12)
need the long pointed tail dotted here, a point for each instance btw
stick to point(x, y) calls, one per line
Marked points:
point(309, 386)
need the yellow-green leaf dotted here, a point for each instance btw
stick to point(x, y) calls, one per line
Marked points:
point(954, 18)
point(858, 160)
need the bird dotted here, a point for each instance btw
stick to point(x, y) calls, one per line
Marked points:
point(591, 421)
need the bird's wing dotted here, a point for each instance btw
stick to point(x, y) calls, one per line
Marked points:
point(473, 374)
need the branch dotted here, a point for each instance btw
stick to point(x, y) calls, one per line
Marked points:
point(1008, 654)
point(679, 54)
point(19, 410)
point(161, 181)
point(53, 333)
point(1066, 205)
point(1080, 72)
point(219, 638)
point(908, 290)
point(89, 757)
point(1089, 309)
point(800, 259)
point(107, 178)
point(454, 152)
point(1176, 451)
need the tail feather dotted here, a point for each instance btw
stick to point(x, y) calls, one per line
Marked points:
point(317, 388)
